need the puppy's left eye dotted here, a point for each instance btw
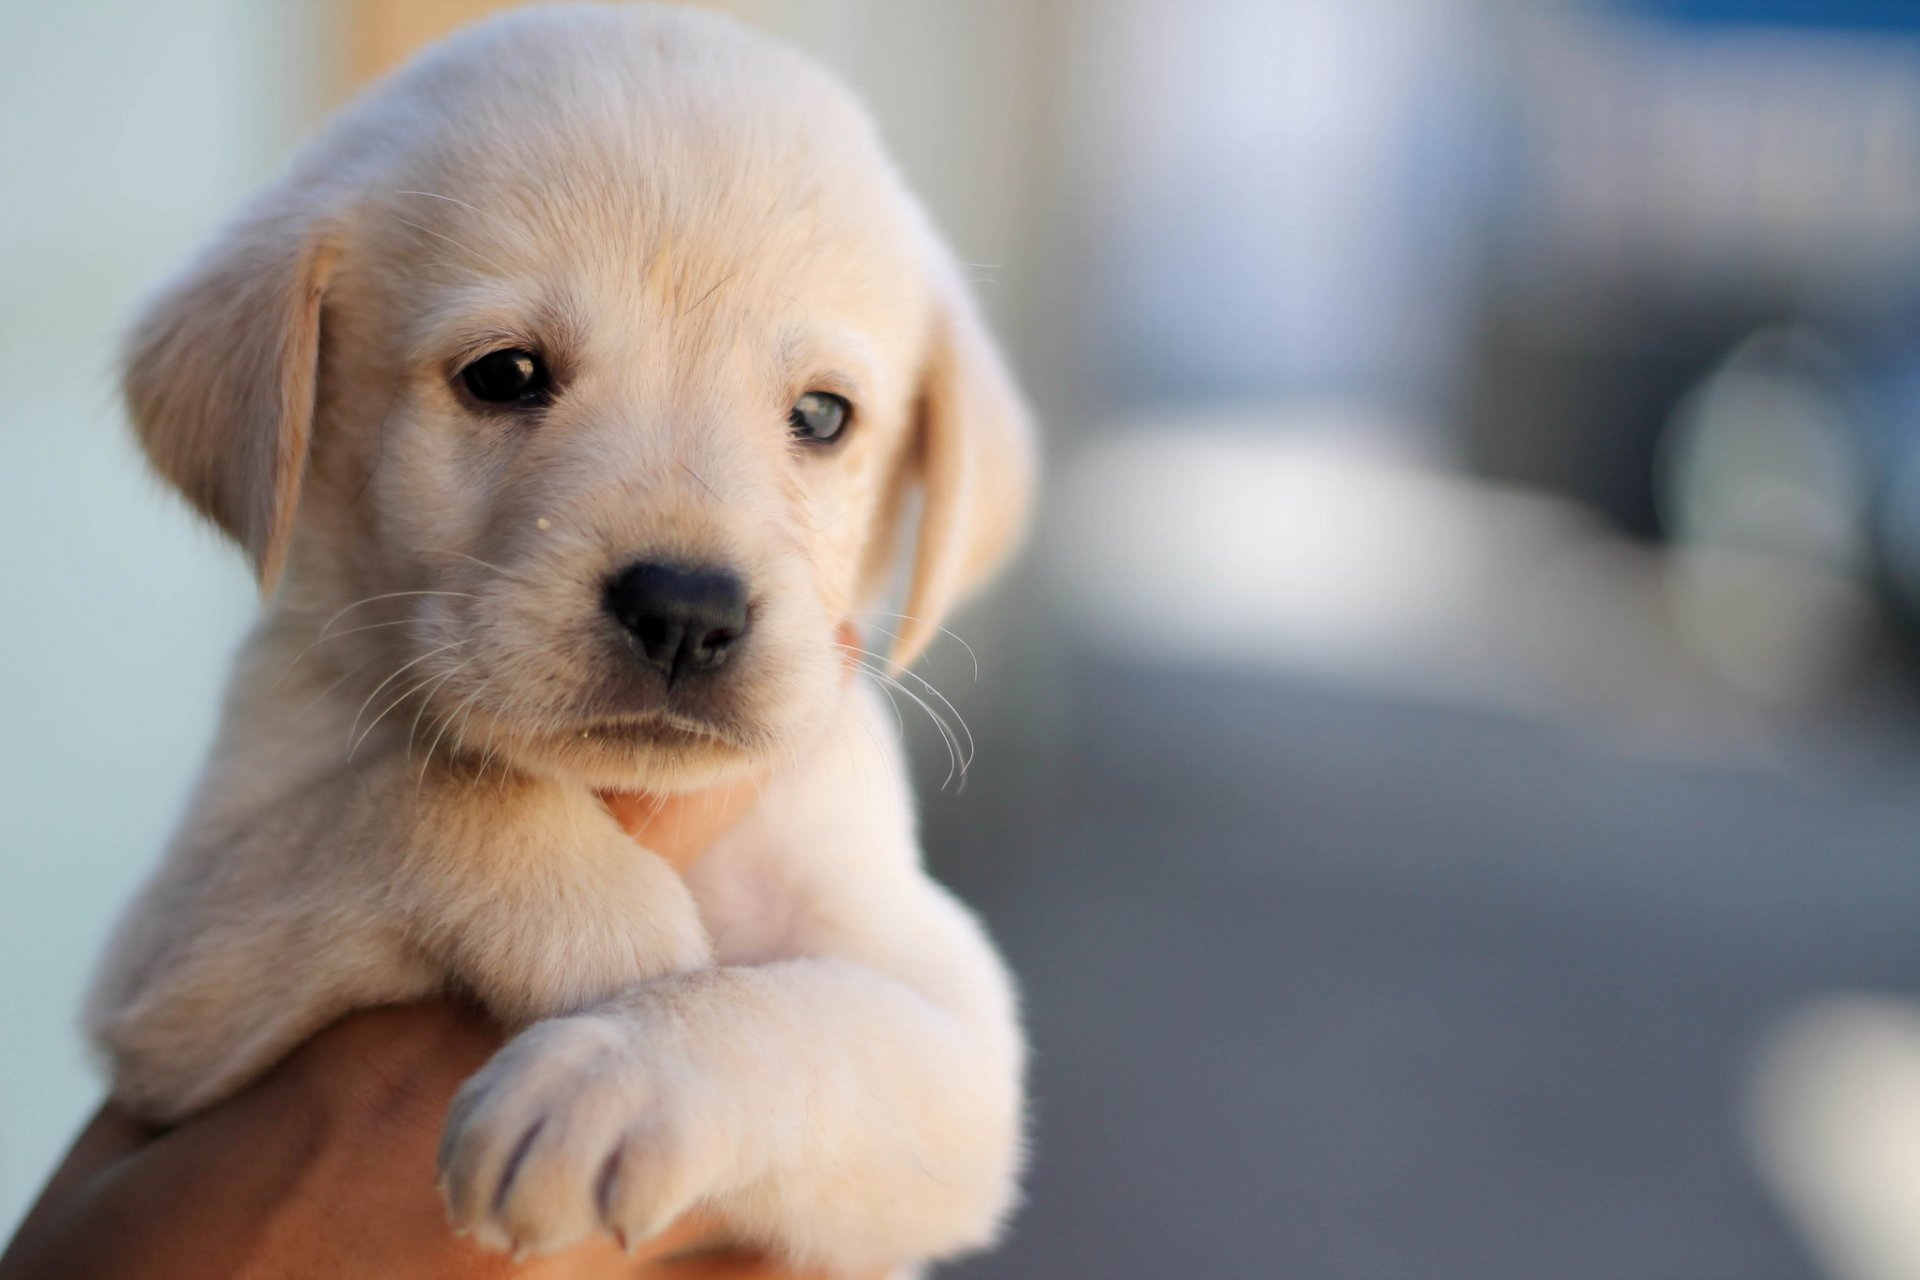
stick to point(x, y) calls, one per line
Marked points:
point(514, 376)
point(819, 417)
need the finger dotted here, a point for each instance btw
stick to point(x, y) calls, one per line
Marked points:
point(395, 1068)
point(682, 827)
point(740, 1266)
point(848, 638)
point(109, 1138)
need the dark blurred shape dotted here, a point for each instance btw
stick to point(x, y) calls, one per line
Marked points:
point(1694, 174)
point(1845, 15)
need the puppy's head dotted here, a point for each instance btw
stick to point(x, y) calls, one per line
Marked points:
point(610, 336)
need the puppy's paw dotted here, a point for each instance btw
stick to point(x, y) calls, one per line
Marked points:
point(575, 1127)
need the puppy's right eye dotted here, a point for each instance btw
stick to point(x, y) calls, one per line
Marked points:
point(514, 376)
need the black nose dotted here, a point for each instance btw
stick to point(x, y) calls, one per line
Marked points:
point(681, 620)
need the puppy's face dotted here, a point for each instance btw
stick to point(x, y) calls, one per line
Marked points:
point(640, 461)
point(610, 336)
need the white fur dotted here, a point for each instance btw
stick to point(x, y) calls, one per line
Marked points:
point(806, 1034)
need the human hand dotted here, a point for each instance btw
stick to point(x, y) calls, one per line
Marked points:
point(324, 1167)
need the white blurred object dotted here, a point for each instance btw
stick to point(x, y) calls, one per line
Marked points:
point(1764, 485)
point(1834, 1120)
point(1766, 454)
point(1779, 633)
point(1302, 541)
point(1273, 546)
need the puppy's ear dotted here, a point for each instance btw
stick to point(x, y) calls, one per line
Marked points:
point(222, 371)
point(975, 455)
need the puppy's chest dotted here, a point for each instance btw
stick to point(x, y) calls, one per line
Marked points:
point(752, 913)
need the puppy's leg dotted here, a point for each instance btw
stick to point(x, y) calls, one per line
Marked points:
point(367, 888)
point(855, 1104)
point(840, 1113)
point(250, 937)
point(186, 1024)
point(528, 894)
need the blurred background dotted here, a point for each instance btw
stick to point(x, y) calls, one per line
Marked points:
point(1445, 771)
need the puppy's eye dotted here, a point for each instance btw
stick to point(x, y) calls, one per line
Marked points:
point(819, 417)
point(514, 376)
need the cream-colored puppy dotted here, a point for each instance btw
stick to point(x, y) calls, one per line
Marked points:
point(572, 388)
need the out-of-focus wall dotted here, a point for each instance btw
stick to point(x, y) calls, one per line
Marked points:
point(126, 131)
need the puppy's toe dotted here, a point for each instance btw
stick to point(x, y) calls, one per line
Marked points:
point(649, 1179)
point(485, 1139)
point(544, 1200)
point(567, 1132)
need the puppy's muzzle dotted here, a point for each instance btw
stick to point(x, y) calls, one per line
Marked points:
point(680, 621)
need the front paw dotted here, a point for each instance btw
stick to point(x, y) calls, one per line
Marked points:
point(579, 1126)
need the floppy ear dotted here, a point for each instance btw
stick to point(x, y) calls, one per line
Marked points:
point(975, 454)
point(222, 371)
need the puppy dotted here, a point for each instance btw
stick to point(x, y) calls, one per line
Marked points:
point(569, 395)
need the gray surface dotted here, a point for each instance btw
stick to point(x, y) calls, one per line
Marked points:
point(1324, 986)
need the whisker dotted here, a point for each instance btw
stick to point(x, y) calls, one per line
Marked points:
point(880, 751)
point(956, 764)
point(322, 696)
point(509, 574)
point(445, 721)
point(413, 688)
point(350, 631)
point(929, 686)
point(391, 595)
point(907, 617)
point(465, 712)
point(352, 742)
point(948, 704)
point(486, 761)
point(899, 724)
point(413, 732)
